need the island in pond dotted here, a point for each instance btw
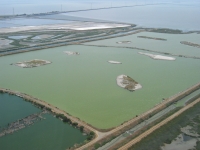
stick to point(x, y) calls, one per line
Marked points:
point(157, 57)
point(71, 53)
point(32, 63)
point(190, 44)
point(128, 83)
point(114, 62)
point(152, 38)
point(124, 42)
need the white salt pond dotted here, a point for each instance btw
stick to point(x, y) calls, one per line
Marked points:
point(66, 26)
point(5, 43)
point(18, 37)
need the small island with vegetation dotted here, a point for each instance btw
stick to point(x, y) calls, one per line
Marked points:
point(190, 44)
point(32, 63)
point(128, 83)
point(153, 38)
point(71, 53)
point(124, 42)
point(114, 62)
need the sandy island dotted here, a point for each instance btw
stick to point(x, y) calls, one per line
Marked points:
point(71, 53)
point(114, 62)
point(128, 83)
point(32, 63)
point(157, 57)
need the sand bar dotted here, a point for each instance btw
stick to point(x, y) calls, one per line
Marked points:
point(157, 57)
point(124, 42)
point(114, 62)
point(71, 53)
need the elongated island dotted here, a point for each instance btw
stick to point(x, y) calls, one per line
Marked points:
point(32, 63)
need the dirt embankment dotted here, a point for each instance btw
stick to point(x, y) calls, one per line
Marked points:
point(153, 38)
point(190, 44)
point(148, 132)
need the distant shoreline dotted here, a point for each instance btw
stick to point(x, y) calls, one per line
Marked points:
point(59, 12)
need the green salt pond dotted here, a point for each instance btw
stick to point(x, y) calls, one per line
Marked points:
point(85, 85)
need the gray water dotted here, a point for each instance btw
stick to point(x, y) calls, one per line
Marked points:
point(172, 16)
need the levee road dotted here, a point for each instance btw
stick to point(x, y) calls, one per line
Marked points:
point(136, 119)
point(143, 135)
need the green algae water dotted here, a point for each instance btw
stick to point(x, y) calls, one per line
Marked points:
point(85, 85)
point(48, 134)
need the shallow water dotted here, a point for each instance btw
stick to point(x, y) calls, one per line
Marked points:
point(85, 85)
point(182, 142)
